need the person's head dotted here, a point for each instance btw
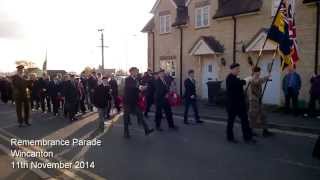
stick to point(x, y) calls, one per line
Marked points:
point(55, 78)
point(191, 73)
point(256, 71)
point(162, 73)
point(235, 69)
point(33, 76)
point(134, 71)
point(66, 77)
point(105, 81)
point(77, 79)
point(59, 76)
point(20, 69)
point(99, 75)
point(112, 76)
point(72, 77)
point(149, 72)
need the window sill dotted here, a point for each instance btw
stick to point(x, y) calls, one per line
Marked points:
point(165, 33)
point(201, 27)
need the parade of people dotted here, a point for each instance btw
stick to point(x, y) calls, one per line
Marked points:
point(206, 89)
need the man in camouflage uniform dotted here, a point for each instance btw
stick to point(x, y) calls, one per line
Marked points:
point(21, 96)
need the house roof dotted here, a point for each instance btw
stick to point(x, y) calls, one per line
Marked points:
point(236, 7)
point(149, 26)
point(214, 45)
point(257, 41)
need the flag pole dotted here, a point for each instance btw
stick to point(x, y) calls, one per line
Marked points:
point(270, 70)
point(265, 41)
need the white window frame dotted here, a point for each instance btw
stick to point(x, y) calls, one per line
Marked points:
point(201, 13)
point(165, 24)
point(274, 7)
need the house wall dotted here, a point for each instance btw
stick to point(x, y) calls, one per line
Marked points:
point(222, 30)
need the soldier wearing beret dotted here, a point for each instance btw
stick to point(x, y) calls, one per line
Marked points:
point(236, 105)
point(20, 95)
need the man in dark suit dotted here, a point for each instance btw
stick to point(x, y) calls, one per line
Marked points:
point(148, 80)
point(114, 92)
point(54, 91)
point(236, 105)
point(190, 97)
point(92, 84)
point(71, 97)
point(162, 102)
point(20, 94)
point(130, 102)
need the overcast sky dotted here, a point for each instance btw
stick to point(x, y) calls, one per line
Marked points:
point(68, 30)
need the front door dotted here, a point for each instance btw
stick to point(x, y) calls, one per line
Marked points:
point(273, 91)
point(209, 73)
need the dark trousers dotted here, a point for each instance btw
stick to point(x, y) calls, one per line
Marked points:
point(164, 105)
point(48, 101)
point(90, 106)
point(22, 105)
point(126, 118)
point(149, 104)
point(55, 104)
point(312, 105)
point(70, 109)
point(34, 102)
point(116, 103)
point(291, 97)
point(82, 106)
point(42, 103)
point(193, 104)
point(242, 114)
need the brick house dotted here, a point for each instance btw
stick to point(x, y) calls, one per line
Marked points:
point(208, 35)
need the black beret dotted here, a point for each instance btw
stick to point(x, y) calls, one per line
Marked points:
point(20, 67)
point(234, 65)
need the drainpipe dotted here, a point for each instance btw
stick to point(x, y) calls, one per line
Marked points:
point(316, 57)
point(234, 38)
point(181, 53)
point(153, 52)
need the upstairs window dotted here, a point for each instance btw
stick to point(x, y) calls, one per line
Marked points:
point(274, 7)
point(202, 17)
point(165, 24)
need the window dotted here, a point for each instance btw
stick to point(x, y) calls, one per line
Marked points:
point(168, 66)
point(274, 7)
point(165, 24)
point(202, 17)
point(210, 68)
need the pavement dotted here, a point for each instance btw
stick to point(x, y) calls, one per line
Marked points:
point(275, 118)
point(194, 152)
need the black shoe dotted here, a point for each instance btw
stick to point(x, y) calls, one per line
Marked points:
point(233, 141)
point(159, 129)
point(267, 133)
point(199, 122)
point(186, 122)
point(28, 124)
point(20, 126)
point(148, 132)
point(250, 141)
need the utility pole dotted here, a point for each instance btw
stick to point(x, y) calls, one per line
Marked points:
point(102, 48)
